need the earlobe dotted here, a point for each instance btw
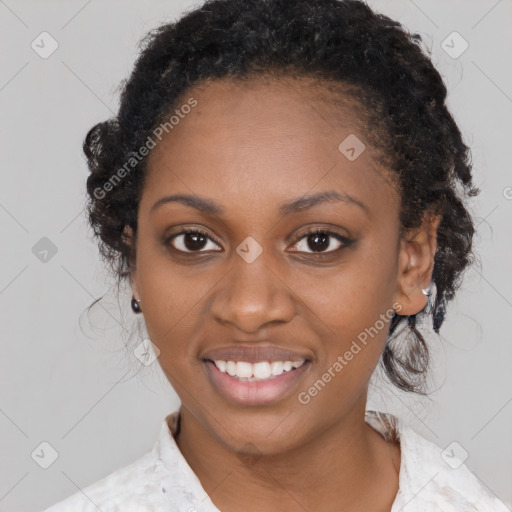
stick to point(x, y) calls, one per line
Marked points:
point(416, 265)
point(134, 285)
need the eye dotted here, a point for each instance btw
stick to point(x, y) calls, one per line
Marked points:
point(190, 240)
point(321, 241)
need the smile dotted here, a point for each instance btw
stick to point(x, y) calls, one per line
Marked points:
point(251, 372)
point(256, 383)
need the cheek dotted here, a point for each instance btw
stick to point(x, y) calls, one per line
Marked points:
point(168, 300)
point(353, 307)
point(351, 296)
point(351, 349)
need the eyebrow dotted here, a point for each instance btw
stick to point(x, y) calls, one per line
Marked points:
point(287, 208)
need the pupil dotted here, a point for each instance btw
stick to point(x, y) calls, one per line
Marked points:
point(324, 241)
point(195, 237)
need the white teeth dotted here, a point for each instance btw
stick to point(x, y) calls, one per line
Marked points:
point(262, 370)
point(276, 367)
point(257, 371)
point(243, 369)
point(230, 367)
point(221, 365)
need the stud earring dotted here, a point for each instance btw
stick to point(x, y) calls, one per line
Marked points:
point(428, 290)
point(136, 305)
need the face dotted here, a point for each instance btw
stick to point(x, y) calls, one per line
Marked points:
point(252, 281)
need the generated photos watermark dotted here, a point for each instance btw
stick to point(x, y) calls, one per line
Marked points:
point(137, 156)
point(305, 397)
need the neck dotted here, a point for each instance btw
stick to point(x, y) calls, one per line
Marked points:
point(346, 467)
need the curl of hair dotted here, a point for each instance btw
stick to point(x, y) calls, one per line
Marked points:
point(340, 43)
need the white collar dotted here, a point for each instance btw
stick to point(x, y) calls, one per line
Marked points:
point(426, 481)
point(178, 475)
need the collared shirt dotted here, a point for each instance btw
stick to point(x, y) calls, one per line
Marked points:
point(430, 479)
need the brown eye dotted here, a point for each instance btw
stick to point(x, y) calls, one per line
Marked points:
point(192, 240)
point(320, 241)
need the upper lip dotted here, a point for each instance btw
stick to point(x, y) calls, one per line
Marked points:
point(253, 354)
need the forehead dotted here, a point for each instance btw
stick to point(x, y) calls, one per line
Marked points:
point(267, 138)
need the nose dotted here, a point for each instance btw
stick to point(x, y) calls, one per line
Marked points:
point(253, 295)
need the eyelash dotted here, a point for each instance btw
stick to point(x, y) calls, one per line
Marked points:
point(346, 242)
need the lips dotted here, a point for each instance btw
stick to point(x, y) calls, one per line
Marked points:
point(255, 393)
point(254, 354)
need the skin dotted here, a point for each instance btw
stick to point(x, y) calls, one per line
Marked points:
point(249, 147)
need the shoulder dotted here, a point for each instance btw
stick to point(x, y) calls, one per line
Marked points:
point(432, 478)
point(130, 486)
point(159, 481)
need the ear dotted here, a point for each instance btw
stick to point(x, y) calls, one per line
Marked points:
point(128, 238)
point(416, 264)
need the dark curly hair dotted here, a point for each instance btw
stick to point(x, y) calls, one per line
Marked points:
point(344, 43)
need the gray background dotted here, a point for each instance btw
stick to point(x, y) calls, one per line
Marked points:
point(67, 378)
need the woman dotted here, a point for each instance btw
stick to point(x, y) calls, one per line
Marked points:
point(285, 189)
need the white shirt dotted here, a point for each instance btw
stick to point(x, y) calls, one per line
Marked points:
point(162, 481)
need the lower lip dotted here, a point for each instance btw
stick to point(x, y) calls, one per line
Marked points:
point(255, 392)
